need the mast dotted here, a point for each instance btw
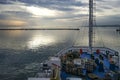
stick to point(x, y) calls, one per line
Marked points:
point(90, 24)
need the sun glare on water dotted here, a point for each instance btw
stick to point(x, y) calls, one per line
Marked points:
point(38, 41)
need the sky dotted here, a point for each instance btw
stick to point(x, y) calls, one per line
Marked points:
point(56, 13)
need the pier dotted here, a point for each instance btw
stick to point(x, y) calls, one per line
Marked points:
point(41, 29)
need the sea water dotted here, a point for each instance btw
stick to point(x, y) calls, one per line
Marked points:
point(22, 51)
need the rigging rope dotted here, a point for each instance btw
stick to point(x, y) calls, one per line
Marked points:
point(94, 21)
point(75, 38)
point(100, 37)
point(80, 36)
point(96, 29)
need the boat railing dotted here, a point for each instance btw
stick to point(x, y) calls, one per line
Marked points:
point(86, 49)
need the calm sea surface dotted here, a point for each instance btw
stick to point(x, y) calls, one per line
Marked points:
point(22, 51)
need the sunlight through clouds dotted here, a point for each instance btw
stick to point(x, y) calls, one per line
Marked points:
point(12, 23)
point(41, 12)
point(57, 12)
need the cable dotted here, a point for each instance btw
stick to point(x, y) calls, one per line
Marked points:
point(75, 38)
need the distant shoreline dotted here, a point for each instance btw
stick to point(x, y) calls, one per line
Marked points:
point(43, 29)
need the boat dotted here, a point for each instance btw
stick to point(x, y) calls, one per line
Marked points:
point(118, 29)
point(81, 62)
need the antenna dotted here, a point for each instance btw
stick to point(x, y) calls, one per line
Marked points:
point(90, 24)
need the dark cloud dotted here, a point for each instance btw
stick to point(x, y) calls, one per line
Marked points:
point(63, 5)
point(22, 14)
point(54, 2)
point(69, 10)
point(5, 2)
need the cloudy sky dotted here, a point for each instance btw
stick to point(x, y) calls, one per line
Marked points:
point(51, 13)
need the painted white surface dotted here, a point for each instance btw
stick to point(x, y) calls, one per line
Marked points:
point(73, 79)
point(38, 78)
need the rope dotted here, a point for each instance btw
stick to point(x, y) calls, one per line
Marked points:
point(75, 38)
point(78, 37)
point(101, 38)
point(95, 26)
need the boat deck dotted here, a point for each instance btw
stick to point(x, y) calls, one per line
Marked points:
point(96, 70)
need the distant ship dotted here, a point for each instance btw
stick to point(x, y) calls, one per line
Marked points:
point(82, 62)
point(118, 29)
